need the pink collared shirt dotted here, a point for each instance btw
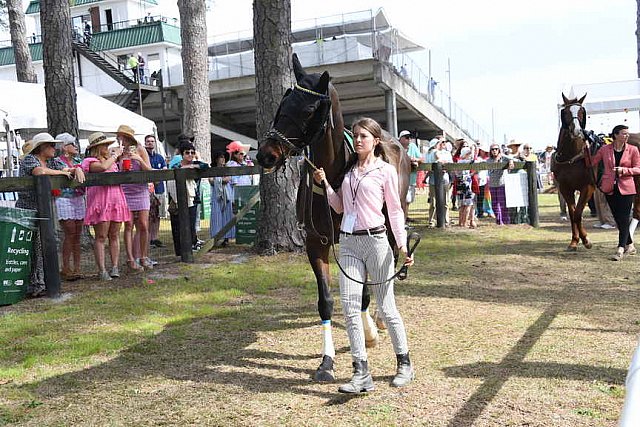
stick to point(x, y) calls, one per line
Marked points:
point(364, 193)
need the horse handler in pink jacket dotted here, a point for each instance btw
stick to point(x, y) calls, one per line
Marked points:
point(621, 161)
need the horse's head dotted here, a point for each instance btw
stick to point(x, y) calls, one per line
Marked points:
point(573, 116)
point(301, 118)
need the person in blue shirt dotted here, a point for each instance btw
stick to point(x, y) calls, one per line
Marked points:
point(158, 198)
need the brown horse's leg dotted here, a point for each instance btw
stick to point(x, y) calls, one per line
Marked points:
point(636, 199)
point(570, 198)
point(318, 255)
point(585, 195)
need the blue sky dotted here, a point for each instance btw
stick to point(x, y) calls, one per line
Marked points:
point(512, 57)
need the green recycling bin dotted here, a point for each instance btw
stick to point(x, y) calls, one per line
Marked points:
point(246, 228)
point(17, 228)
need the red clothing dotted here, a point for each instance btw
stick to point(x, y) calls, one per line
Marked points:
point(630, 164)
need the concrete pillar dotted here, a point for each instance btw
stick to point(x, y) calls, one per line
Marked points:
point(391, 112)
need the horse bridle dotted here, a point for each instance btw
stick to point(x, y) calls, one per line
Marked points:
point(583, 135)
point(298, 149)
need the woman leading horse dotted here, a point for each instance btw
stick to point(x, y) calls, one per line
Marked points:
point(369, 183)
point(309, 118)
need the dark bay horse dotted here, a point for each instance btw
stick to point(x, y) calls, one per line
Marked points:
point(309, 119)
point(569, 167)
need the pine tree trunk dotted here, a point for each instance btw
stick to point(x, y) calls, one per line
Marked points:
point(197, 110)
point(277, 230)
point(24, 66)
point(57, 58)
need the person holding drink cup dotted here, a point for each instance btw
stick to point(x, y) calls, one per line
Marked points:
point(106, 204)
point(135, 158)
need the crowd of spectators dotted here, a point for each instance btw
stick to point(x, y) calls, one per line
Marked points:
point(103, 211)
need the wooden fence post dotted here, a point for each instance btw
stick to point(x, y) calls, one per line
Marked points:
point(440, 195)
point(46, 225)
point(186, 251)
point(532, 184)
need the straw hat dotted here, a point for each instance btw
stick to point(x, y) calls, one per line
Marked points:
point(514, 143)
point(98, 138)
point(26, 148)
point(39, 140)
point(127, 131)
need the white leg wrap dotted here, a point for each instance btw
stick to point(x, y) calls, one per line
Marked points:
point(632, 227)
point(327, 340)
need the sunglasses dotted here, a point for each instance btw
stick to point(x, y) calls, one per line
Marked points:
point(241, 153)
point(190, 152)
point(496, 149)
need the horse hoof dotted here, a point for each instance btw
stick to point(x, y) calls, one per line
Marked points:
point(572, 248)
point(324, 373)
point(588, 245)
point(379, 322)
point(372, 342)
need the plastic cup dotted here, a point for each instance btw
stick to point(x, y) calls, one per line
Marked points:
point(126, 164)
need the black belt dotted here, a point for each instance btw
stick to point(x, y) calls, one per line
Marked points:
point(375, 230)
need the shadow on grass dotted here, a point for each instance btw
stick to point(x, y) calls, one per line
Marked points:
point(513, 365)
point(204, 350)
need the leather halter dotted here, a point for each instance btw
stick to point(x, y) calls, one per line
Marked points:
point(284, 141)
point(583, 136)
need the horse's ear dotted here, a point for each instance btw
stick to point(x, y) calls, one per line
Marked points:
point(581, 100)
point(298, 71)
point(323, 83)
point(564, 99)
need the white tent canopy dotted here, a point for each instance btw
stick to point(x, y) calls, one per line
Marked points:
point(25, 107)
point(609, 97)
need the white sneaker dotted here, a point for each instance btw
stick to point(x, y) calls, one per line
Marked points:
point(597, 225)
point(563, 218)
point(607, 226)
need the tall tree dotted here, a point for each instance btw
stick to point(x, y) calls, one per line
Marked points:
point(57, 59)
point(277, 230)
point(197, 110)
point(24, 66)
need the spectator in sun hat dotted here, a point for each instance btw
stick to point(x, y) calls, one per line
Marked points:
point(237, 151)
point(40, 160)
point(70, 205)
point(221, 200)
point(137, 195)
point(514, 147)
point(106, 204)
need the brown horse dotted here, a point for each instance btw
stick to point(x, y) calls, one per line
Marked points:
point(569, 167)
point(309, 119)
point(634, 139)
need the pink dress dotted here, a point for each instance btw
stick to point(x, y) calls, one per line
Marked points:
point(105, 202)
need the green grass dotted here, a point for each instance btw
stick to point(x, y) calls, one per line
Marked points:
point(499, 318)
